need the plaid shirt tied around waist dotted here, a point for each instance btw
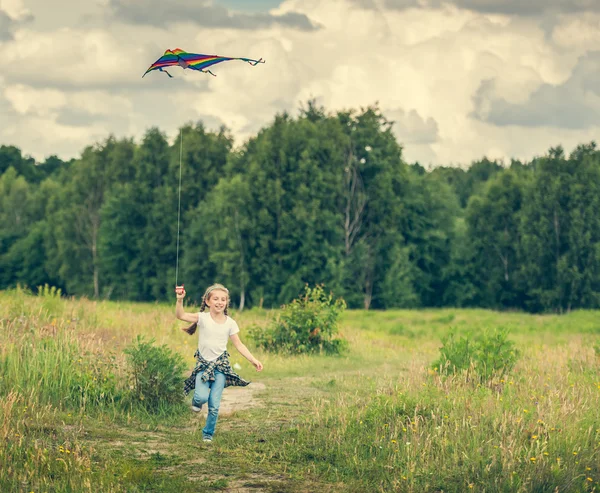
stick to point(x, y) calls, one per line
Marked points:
point(208, 369)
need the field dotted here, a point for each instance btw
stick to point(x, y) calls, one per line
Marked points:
point(377, 419)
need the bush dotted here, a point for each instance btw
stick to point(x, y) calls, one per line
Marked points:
point(307, 325)
point(485, 355)
point(156, 372)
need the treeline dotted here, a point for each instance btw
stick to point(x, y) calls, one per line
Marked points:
point(320, 198)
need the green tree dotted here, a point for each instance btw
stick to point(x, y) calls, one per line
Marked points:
point(223, 224)
point(493, 232)
point(560, 231)
point(76, 214)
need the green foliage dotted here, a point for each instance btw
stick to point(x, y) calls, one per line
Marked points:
point(483, 356)
point(318, 198)
point(307, 325)
point(156, 374)
point(493, 236)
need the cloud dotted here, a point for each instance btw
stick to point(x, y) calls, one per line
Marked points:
point(16, 10)
point(459, 83)
point(575, 104)
point(5, 26)
point(411, 128)
point(12, 16)
point(505, 7)
point(578, 32)
point(201, 13)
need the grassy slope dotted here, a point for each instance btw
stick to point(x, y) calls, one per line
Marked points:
point(373, 420)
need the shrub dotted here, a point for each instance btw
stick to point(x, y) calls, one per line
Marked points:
point(485, 355)
point(156, 374)
point(307, 325)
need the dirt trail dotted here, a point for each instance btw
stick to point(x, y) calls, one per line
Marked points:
point(238, 398)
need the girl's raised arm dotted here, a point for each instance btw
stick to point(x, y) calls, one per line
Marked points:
point(179, 311)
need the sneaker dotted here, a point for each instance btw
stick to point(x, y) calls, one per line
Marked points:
point(196, 409)
point(207, 438)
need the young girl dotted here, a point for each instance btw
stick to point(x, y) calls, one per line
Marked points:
point(212, 372)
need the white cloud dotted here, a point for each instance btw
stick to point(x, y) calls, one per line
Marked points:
point(440, 72)
point(200, 12)
point(15, 9)
point(578, 32)
point(27, 100)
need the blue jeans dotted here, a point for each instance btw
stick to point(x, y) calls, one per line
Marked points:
point(209, 392)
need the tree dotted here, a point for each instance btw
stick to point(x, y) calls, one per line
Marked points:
point(560, 231)
point(223, 225)
point(493, 231)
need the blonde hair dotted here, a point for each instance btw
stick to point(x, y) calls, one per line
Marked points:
point(215, 287)
point(210, 289)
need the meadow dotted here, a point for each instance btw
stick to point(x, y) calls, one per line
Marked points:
point(378, 418)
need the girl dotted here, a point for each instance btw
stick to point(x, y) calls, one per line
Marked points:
point(212, 372)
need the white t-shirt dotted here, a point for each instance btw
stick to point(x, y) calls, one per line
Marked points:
point(213, 336)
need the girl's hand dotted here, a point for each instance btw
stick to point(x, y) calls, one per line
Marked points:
point(180, 292)
point(258, 365)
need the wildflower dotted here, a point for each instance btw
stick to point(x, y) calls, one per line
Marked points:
point(589, 479)
point(393, 441)
point(533, 437)
point(532, 459)
point(403, 429)
point(574, 453)
point(588, 468)
point(545, 453)
point(525, 411)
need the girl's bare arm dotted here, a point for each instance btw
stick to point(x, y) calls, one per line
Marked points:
point(241, 347)
point(179, 311)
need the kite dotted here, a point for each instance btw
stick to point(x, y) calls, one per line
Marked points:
point(178, 57)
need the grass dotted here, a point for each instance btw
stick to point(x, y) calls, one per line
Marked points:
point(375, 419)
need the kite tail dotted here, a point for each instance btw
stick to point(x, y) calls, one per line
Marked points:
point(208, 72)
point(255, 63)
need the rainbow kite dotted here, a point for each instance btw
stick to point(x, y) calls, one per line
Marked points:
point(183, 59)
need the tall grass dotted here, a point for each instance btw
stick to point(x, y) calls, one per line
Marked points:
point(379, 418)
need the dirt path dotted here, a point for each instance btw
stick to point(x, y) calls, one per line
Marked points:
point(239, 398)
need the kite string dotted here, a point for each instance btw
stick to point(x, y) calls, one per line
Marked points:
point(179, 204)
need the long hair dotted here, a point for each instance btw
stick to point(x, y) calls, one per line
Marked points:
point(215, 287)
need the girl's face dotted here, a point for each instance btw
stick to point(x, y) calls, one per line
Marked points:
point(217, 300)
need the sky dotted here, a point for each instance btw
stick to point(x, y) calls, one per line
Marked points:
point(460, 79)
